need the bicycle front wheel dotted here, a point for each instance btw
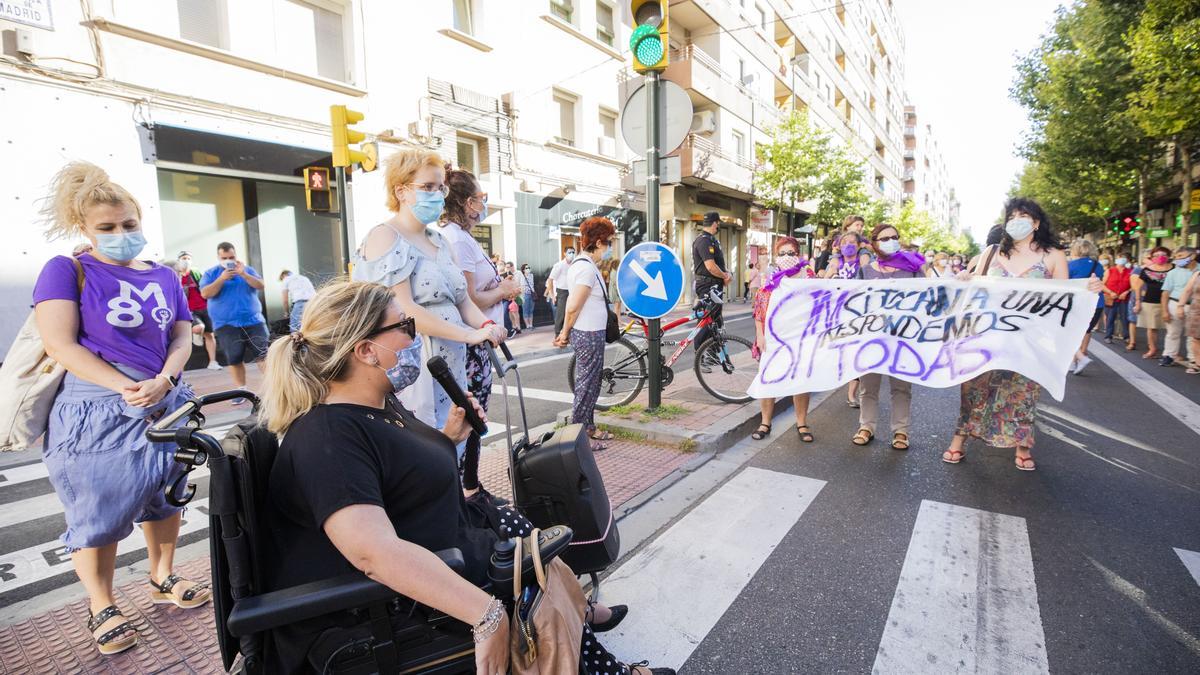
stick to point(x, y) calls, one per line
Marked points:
point(623, 375)
point(725, 367)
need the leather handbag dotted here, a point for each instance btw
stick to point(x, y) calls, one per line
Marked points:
point(547, 622)
point(29, 381)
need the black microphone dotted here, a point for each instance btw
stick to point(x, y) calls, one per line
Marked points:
point(441, 372)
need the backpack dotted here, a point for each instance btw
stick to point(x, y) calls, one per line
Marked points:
point(29, 381)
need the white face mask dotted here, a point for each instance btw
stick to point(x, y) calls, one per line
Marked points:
point(889, 247)
point(1019, 228)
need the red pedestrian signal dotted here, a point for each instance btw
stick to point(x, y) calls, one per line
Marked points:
point(316, 188)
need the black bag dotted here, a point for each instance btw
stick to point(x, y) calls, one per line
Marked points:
point(556, 482)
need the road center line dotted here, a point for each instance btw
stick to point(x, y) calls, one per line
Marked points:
point(1178, 405)
point(717, 547)
point(966, 601)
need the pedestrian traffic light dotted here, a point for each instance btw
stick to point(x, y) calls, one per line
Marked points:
point(649, 40)
point(316, 188)
point(340, 118)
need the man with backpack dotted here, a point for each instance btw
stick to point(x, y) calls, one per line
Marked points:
point(190, 279)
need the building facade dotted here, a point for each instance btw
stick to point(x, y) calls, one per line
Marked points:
point(926, 176)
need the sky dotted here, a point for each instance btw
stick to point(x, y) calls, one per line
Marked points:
point(959, 66)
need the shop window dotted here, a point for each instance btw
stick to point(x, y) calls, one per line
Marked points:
point(204, 21)
point(200, 212)
point(293, 238)
point(310, 38)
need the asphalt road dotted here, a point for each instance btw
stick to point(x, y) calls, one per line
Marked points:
point(870, 559)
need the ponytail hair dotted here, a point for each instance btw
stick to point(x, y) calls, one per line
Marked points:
point(300, 366)
point(463, 186)
point(76, 188)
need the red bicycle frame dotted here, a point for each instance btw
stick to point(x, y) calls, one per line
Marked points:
point(705, 321)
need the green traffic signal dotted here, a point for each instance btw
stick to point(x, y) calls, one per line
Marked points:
point(646, 45)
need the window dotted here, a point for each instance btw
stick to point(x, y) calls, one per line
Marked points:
point(204, 21)
point(563, 9)
point(741, 70)
point(310, 39)
point(739, 145)
point(762, 17)
point(468, 154)
point(464, 20)
point(605, 30)
point(608, 134)
point(565, 104)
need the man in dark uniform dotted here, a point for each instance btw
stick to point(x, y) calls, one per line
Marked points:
point(708, 270)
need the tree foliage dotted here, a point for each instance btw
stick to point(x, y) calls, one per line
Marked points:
point(918, 226)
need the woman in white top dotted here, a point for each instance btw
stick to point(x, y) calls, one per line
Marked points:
point(466, 206)
point(584, 322)
point(940, 267)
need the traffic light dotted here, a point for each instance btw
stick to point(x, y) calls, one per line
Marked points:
point(340, 118)
point(316, 188)
point(649, 40)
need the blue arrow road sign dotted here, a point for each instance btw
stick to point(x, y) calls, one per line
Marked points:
point(650, 280)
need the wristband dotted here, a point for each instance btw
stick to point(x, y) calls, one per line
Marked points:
point(487, 323)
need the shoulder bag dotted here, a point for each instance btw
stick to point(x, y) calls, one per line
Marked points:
point(547, 623)
point(29, 381)
point(612, 325)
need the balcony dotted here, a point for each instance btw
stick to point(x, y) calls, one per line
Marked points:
point(694, 70)
point(910, 131)
point(704, 163)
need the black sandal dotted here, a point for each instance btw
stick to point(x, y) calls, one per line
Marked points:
point(630, 668)
point(111, 642)
point(761, 432)
point(805, 433)
point(193, 597)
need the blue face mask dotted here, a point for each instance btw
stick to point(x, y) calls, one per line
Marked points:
point(607, 255)
point(1184, 262)
point(428, 206)
point(121, 247)
point(407, 368)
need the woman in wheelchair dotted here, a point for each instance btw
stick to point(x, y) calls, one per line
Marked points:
point(360, 483)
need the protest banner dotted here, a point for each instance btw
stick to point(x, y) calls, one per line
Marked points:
point(821, 334)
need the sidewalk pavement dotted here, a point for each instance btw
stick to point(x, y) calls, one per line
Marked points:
point(648, 455)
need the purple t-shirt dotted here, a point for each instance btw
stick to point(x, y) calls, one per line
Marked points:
point(125, 315)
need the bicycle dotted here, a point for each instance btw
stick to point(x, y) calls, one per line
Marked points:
point(723, 364)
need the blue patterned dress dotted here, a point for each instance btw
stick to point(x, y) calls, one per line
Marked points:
point(438, 285)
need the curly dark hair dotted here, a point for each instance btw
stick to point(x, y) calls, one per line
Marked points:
point(595, 230)
point(1043, 236)
point(463, 186)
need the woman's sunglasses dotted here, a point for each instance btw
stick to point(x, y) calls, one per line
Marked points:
point(895, 237)
point(408, 325)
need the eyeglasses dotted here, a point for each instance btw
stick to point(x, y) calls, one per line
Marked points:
point(478, 201)
point(788, 252)
point(894, 237)
point(408, 325)
point(432, 187)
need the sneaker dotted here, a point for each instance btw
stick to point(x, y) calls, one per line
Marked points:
point(1108, 341)
point(1166, 361)
point(1082, 363)
point(213, 365)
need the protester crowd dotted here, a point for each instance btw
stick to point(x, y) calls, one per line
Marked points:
point(348, 381)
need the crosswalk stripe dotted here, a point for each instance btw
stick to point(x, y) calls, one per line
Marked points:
point(1191, 560)
point(37, 470)
point(716, 547)
point(48, 504)
point(541, 394)
point(1176, 404)
point(33, 564)
point(966, 600)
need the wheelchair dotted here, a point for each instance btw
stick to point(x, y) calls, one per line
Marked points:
point(378, 630)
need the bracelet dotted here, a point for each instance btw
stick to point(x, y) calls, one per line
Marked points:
point(487, 323)
point(490, 623)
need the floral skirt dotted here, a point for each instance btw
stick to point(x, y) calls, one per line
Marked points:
point(998, 408)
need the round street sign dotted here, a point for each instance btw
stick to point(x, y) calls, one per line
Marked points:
point(674, 119)
point(650, 280)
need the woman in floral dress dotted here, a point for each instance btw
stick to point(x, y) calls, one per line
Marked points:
point(999, 406)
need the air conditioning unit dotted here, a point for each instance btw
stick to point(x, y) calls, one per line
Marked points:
point(608, 146)
point(704, 122)
point(748, 79)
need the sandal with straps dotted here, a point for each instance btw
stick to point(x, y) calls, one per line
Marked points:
point(1025, 464)
point(899, 441)
point(805, 433)
point(863, 436)
point(113, 641)
point(193, 597)
point(953, 456)
point(761, 432)
point(633, 668)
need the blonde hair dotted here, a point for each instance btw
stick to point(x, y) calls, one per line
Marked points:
point(299, 367)
point(76, 188)
point(1083, 248)
point(399, 169)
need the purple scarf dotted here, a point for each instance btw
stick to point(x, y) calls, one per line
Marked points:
point(778, 276)
point(905, 261)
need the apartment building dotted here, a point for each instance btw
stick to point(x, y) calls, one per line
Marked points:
point(926, 177)
point(208, 111)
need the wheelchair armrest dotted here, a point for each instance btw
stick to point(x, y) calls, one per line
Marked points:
point(264, 612)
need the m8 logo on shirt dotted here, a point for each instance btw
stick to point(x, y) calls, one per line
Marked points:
point(126, 312)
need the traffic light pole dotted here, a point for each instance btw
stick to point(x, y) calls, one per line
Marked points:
point(652, 184)
point(344, 216)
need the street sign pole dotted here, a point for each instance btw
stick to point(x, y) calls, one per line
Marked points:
point(344, 216)
point(652, 183)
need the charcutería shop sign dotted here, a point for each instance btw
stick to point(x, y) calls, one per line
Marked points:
point(821, 334)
